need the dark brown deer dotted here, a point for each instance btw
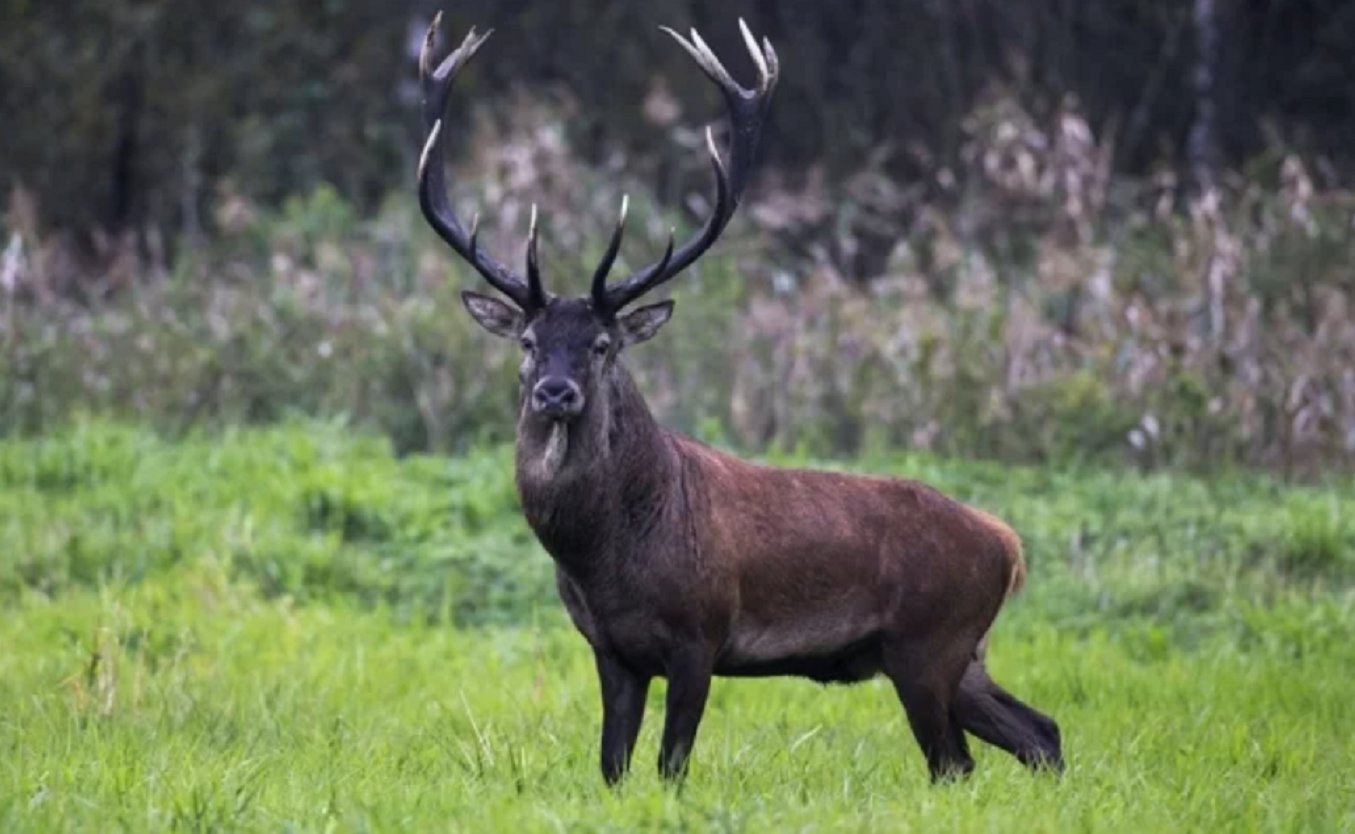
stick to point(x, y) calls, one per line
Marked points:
point(676, 560)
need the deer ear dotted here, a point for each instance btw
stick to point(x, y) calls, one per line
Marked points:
point(640, 324)
point(497, 317)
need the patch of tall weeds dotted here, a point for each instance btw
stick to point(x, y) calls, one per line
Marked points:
point(1024, 306)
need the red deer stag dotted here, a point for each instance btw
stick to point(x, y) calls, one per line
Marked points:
point(676, 560)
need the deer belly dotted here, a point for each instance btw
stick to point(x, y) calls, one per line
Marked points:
point(827, 646)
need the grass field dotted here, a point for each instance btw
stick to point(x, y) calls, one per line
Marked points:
point(290, 629)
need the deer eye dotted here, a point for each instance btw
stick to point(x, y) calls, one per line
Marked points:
point(602, 345)
point(528, 344)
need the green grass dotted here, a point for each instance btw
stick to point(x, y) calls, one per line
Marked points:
point(292, 630)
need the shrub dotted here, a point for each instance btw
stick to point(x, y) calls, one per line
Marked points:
point(1030, 314)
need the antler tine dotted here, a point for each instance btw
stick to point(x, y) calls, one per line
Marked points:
point(747, 110)
point(433, 199)
point(764, 57)
point(658, 268)
point(599, 291)
point(773, 63)
point(426, 54)
point(705, 58)
point(534, 288)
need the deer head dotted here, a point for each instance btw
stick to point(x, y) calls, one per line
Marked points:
point(570, 344)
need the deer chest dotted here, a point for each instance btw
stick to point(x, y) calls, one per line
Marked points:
point(628, 623)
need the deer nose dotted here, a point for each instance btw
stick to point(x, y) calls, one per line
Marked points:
point(557, 397)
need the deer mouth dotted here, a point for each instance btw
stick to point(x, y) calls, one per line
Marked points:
point(558, 415)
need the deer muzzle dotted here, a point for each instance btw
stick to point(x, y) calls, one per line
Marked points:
point(557, 398)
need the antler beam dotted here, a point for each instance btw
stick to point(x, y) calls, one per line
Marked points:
point(747, 110)
point(528, 294)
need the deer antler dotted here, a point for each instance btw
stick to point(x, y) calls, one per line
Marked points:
point(747, 109)
point(437, 84)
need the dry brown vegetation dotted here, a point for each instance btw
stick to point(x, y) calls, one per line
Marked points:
point(1023, 304)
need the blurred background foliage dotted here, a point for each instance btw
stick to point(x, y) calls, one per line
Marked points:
point(134, 111)
point(1116, 230)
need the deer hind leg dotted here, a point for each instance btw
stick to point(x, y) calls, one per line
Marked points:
point(926, 675)
point(999, 718)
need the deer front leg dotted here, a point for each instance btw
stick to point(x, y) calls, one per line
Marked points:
point(623, 710)
point(689, 674)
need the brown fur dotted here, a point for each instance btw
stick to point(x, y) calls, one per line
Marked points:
point(1014, 554)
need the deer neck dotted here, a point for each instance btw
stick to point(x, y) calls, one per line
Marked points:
point(582, 485)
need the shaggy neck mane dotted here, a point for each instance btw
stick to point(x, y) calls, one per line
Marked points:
point(582, 483)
